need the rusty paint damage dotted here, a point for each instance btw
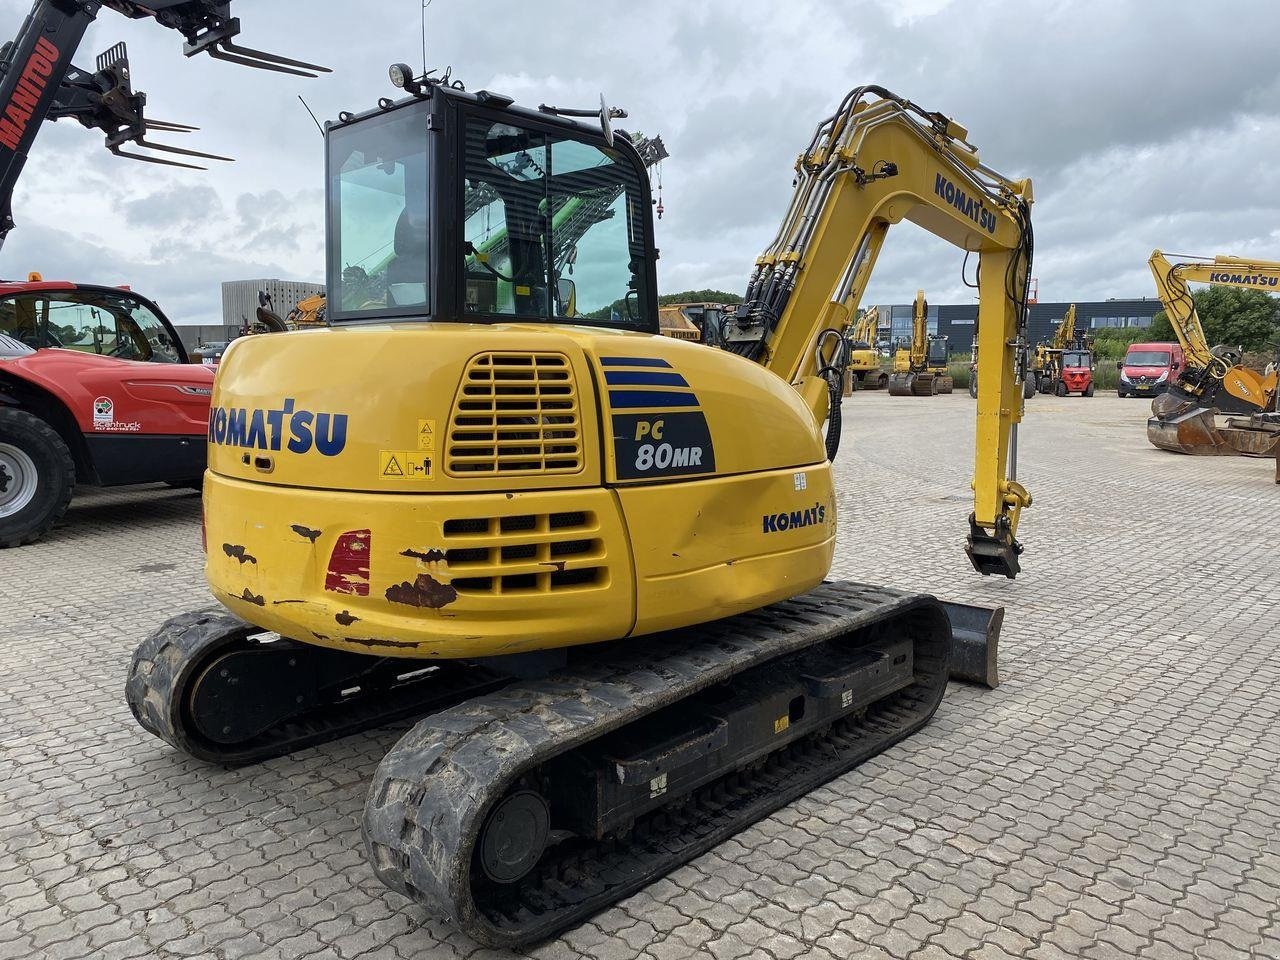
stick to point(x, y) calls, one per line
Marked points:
point(424, 591)
point(370, 642)
point(305, 532)
point(238, 552)
point(250, 597)
point(426, 556)
point(346, 618)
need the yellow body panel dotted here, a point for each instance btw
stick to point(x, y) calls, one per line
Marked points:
point(641, 484)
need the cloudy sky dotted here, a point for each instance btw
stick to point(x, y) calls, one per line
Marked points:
point(1141, 124)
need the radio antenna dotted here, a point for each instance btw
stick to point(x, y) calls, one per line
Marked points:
point(425, 4)
point(313, 116)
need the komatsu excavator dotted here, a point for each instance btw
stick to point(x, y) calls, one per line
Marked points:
point(591, 555)
point(922, 369)
point(865, 371)
point(1183, 417)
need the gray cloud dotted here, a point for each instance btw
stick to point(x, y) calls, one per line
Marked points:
point(1141, 125)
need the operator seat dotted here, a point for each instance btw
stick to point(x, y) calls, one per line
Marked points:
point(407, 269)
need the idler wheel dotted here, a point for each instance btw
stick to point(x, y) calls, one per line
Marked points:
point(514, 836)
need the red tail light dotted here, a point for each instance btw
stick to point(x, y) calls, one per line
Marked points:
point(348, 570)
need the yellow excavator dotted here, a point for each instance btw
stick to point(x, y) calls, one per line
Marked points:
point(922, 369)
point(1043, 358)
point(592, 558)
point(865, 371)
point(1183, 417)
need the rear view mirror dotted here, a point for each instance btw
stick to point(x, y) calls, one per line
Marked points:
point(567, 295)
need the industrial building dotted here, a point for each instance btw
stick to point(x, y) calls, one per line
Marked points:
point(239, 306)
point(956, 320)
point(240, 298)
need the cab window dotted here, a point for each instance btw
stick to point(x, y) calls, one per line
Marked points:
point(99, 322)
point(378, 209)
point(553, 228)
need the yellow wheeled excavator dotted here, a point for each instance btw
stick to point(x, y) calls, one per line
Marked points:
point(592, 556)
point(922, 370)
point(865, 370)
point(1183, 417)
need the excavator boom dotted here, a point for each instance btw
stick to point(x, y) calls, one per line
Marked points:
point(880, 159)
point(1183, 417)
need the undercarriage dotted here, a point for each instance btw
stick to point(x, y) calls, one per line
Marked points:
point(518, 807)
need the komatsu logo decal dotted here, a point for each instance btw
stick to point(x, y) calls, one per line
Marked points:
point(26, 95)
point(781, 522)
point(1244, 279)
point(971, 207)
point(266, 429)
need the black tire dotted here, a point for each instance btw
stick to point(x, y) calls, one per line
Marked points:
point(1060, 389)
point(1088, 391)
point(1028, 389)
point(37, 476)
point(1121, 394)
point(973, 386)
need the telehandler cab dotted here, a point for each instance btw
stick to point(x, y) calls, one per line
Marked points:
point(592, 555)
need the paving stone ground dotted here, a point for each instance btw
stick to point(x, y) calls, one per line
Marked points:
point(1117, 796)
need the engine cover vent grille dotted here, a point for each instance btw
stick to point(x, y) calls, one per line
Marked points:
point(532, 553)
point(515, 413)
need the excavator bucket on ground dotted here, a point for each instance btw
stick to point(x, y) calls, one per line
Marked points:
point(1182, 425)
point(1192, 431)
point(1256, 436)
point(901, 384)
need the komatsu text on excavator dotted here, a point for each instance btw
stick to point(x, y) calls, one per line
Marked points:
point(490, 493)
point(1183, 417)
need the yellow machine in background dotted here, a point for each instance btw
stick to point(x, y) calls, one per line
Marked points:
point(465, 476)
point(1183, 416)
point(1044, 357)
point(865, 370)
point(307, 313)
point(923, 368)
point(673, 323)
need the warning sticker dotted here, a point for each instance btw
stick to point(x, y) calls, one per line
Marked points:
point(404, 464)
point(104, 411)
point(426, 434)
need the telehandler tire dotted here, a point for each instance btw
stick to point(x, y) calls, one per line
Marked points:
point(37, 476)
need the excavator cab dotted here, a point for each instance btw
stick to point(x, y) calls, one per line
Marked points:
point(538, 198)
point(939, 354)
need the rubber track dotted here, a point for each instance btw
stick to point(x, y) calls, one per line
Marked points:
point(430, 794)
point(168, 661)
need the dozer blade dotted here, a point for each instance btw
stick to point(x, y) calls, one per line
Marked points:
point(975, 638)
point(924, 385)
point(900, 384)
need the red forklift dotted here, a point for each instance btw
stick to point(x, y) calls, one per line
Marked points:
point(1075, 370)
